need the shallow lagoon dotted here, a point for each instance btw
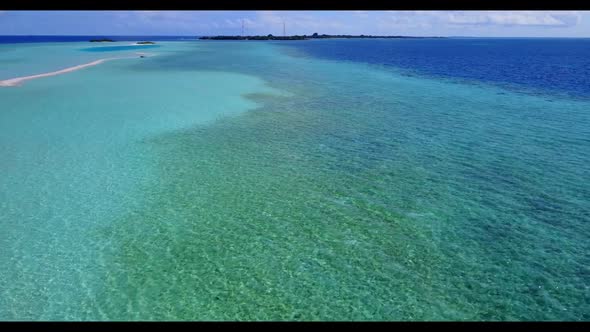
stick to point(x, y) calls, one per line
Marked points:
point(228, 180)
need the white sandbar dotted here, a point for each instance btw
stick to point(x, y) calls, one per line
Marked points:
point(19, 80)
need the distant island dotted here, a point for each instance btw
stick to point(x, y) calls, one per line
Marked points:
point(101, 40)
point(145, 42)
point(300, 37)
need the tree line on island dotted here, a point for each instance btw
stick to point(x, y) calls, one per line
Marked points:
point(300, 37)
point(271, 37)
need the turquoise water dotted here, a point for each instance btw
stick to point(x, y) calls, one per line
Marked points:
point(253, 181)
point(119, 48)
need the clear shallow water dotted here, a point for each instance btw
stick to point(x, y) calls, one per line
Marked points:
point(233, 180)
point(119, 48)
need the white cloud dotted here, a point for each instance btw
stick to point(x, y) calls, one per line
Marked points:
point(514, 18)
point(237, 23)
point(433, 22)
point(361, 13)
point(167, 21)
point(165, 15)
point(401, 20)
point(298, 22)
point(418, 23)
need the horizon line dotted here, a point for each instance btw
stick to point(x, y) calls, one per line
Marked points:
point(196, 35)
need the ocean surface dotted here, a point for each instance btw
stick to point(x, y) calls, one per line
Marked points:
point(426, 179)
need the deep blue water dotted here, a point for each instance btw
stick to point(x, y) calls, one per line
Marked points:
point(548, 64)
point(556, 65)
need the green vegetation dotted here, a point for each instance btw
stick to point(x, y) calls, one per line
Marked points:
point(300, 37)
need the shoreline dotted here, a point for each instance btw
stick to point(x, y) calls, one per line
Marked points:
point(308, 37)
point(18, 81)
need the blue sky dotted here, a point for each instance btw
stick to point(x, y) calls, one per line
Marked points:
point(416, 23)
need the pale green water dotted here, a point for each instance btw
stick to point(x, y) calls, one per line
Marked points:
point(224, 181)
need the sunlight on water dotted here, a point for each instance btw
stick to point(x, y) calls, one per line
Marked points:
point(253, 181)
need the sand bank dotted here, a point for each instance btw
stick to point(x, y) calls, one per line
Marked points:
point(19, 80)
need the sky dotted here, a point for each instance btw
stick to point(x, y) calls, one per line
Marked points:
point(198, 23)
